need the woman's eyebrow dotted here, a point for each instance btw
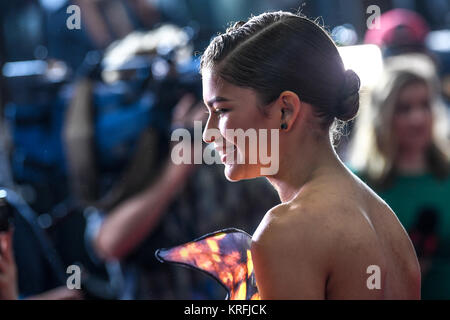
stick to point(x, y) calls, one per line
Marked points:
point(217, 99)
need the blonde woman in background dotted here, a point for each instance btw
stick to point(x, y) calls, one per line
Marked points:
point(400, 148)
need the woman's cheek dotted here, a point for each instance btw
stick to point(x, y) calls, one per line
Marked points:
point(429, 130)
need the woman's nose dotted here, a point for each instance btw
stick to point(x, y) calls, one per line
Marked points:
point(208, 133)
point(418, 115)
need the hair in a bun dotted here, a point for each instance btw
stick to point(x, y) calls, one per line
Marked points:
point(348, 102)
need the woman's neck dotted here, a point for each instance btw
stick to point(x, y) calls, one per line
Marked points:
point(303, 164)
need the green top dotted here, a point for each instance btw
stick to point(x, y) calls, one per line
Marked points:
point(412, 196)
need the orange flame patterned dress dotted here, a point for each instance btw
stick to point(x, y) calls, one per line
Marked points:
point(225, 255)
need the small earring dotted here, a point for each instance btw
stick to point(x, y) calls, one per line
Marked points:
point(283, 126)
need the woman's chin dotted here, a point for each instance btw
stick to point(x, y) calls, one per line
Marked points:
point(236, 173)
point(231, 173)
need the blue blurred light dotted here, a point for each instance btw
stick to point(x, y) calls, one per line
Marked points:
point(24, 68)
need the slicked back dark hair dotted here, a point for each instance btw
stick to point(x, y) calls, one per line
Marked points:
point(278, 51)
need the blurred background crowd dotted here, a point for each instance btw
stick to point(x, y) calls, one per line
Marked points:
point(86, 116)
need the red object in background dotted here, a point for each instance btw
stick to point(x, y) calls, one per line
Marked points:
point(398, 27)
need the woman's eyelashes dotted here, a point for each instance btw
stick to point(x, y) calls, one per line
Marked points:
point(220, 111)
point(217, 110)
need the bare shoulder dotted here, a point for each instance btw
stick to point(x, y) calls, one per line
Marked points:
point(295, 249)
point(327, 242)
point(288, 256)
point(289, 224)
point(319, 218)
point(314, 242)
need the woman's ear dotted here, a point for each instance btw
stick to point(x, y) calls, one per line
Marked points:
point(290, 106)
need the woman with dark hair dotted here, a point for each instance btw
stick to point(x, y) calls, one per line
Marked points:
point(331, 237)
